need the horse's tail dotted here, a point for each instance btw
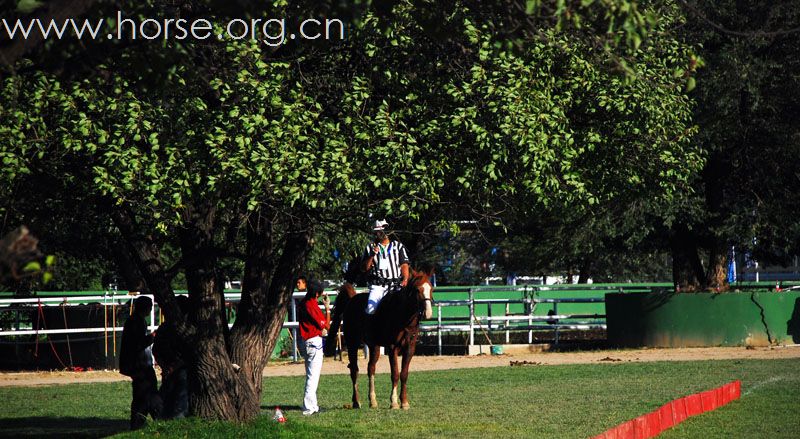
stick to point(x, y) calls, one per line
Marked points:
point(345, 293)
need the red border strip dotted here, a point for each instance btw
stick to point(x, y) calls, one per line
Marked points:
point(673, 413)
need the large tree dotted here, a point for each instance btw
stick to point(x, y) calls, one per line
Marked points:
point(746, 111)
point(221, 150)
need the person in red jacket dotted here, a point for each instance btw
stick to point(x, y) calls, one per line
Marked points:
point(313, 326)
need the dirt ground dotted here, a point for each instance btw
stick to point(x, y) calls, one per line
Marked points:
point(332, 366)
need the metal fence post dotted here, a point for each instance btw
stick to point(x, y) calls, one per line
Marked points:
point(489, 313)
point(555, 311)
point(471, 317)
point(530, 324)
point(439, 327)
point(529, 305)
point(294, 330)
point(152, 327)
point(508, 340)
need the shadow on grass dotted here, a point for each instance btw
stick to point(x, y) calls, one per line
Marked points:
point(51, 427)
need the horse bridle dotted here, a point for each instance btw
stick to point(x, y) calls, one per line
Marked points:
point(421, 310)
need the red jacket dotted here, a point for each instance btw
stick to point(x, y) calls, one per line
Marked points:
point(312, 319)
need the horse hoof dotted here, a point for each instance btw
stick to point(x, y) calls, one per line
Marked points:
point(356, 405)
point(395, 406)
point(405, 406)
point(373, 406)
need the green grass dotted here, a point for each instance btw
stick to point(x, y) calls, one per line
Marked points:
point(526, 401)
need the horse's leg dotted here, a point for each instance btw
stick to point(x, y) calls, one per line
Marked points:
point(395, 376)
point(407, 354)
point(374, 354)
point(352, 357)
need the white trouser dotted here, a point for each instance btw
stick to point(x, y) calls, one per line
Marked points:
point(376, 293)
point(313, 368)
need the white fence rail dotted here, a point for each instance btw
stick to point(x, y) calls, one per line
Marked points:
point(508, 323)
point(111, 301)
point(469, 323)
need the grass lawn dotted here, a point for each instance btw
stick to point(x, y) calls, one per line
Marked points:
point(525, 401)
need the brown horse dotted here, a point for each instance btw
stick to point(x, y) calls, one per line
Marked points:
point(396, 327)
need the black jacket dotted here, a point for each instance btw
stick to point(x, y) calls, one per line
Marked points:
point(135, 340)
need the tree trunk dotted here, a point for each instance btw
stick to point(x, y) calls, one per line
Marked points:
point(569, 274)
point(687, 270)
point(225, 368)
point(261, 317)
point(145, 253)
point(583, 273)
point(715, 173)
point(128, 269)
point(248, 347)
point(226, 372)
point(216, 388)
point(717, 276)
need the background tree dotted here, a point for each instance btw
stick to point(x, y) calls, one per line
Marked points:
point(745, 194)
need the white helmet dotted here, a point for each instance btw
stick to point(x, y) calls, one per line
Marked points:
point(380, 225)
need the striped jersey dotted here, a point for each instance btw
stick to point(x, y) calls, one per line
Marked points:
point(386, 264)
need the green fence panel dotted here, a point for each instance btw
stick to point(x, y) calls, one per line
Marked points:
point(704, 319)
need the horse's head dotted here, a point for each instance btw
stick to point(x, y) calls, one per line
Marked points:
point(421, 283)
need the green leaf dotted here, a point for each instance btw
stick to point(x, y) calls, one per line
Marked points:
point(32, 266)
point(530, 6)
point(28, 6)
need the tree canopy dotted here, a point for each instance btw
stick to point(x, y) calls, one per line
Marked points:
point(193, 154)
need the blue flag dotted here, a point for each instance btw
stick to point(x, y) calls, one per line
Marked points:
point(732, 266)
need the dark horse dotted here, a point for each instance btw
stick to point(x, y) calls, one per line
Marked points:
point(395, 327)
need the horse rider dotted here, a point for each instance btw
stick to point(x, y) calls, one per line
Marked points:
point(387, 265)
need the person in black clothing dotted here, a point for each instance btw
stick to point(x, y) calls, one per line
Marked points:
point(135, 361)
point(169, 352)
